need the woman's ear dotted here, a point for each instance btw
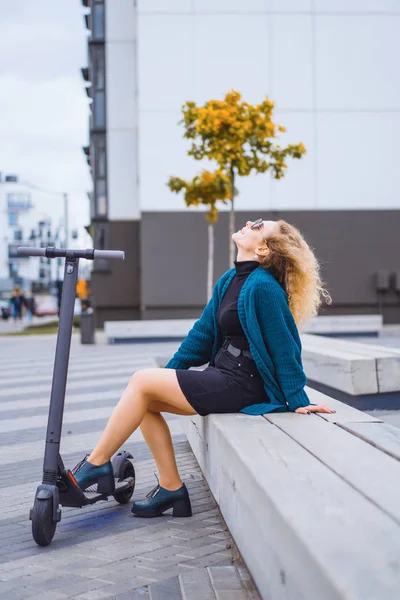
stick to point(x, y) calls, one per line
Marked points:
point(262, 251)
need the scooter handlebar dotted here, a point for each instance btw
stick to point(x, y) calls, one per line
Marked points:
point(29, 251)
point(89, 254)
point(109, 254)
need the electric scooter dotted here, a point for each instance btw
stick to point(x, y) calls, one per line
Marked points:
point(59, 486)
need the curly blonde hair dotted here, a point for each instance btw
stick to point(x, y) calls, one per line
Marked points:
point(294, 265)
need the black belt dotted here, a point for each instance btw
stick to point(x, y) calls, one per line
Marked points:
point(236, 351)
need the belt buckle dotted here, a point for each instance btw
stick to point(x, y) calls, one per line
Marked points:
point(235, 351)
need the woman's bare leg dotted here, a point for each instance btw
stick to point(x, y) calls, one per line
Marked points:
point(145, 387)
point(158, 438)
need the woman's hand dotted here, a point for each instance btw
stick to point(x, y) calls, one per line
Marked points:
point(306, 410)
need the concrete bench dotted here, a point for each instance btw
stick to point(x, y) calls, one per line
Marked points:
point(364, 375)
point(346, 325)
point(177, 329)
point(312, 502)
point(158, 330)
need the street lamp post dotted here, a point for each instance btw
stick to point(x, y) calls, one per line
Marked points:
point(66, 230)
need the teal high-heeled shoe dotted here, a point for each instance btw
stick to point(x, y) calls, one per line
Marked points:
point(87, 474)
point(160, 500)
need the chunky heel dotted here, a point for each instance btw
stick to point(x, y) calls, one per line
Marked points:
point(159, 500)
point(106, 485)
point(182, 508)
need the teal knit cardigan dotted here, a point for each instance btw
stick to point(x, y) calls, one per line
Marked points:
point(272, 334)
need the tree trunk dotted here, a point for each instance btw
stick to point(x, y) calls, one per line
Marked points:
point(232, 221)
point(210, 263)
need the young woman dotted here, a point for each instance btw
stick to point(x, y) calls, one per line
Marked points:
point(248, 333)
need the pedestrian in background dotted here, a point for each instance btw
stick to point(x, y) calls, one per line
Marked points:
point(17, 302)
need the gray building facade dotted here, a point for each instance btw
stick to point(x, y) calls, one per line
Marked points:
point(359, 253)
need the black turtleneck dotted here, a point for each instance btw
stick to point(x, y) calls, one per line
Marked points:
point(228, 318)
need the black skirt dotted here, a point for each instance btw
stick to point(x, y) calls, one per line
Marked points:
point(230, 385)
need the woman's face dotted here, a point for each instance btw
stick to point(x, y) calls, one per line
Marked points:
point(249, 239)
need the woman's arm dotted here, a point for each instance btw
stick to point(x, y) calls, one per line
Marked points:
point(196, 348)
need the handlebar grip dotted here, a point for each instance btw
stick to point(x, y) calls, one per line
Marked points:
point(29, 251)
point(112, 254)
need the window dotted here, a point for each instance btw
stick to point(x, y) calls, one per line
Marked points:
point(99, 110)
point(100, 174)
point(13, 251)
point(99, 153)
point(20, 200)
point(91, 203)
point(17, 235)
point(98, 20)
point(13, 270)
point(98, 92)
point(98, 68)
point(101, 198)
point(101, 162)
point(12, 219)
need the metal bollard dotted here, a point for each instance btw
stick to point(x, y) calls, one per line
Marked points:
point(87, 326)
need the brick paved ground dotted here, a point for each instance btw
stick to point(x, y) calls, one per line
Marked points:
point(101, 551)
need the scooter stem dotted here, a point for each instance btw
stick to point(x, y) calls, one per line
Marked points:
point(60, 370)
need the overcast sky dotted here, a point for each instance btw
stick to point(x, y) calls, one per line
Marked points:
point(43, 106)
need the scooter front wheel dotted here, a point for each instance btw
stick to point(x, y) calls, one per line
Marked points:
point(43, 528)
point(126, 470)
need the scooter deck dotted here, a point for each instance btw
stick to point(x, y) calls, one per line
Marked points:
point(71, 494)
point(91, 492)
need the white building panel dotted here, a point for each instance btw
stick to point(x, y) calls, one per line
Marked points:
point(254, 194)
point(296, 191)
point(333, 77)
point(121, 86)
point(291, 77)
point(296, 6)
point(122, 175)
point(230, 6)
point(166, 66)
point(357, 60)
point(120, 19)
point(358, 158)
point(162, 153)
point(231, 51)
point(356, 6)
point(163, 6)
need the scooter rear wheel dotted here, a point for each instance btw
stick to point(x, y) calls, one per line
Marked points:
point(43, 528)
point(126, 470)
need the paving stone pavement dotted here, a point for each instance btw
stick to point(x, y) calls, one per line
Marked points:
point(101, 551)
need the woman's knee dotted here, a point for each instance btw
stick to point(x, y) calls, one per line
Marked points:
point(141, 382)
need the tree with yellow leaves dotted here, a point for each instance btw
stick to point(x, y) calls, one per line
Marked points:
point(205, 189)
point(241, 138)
